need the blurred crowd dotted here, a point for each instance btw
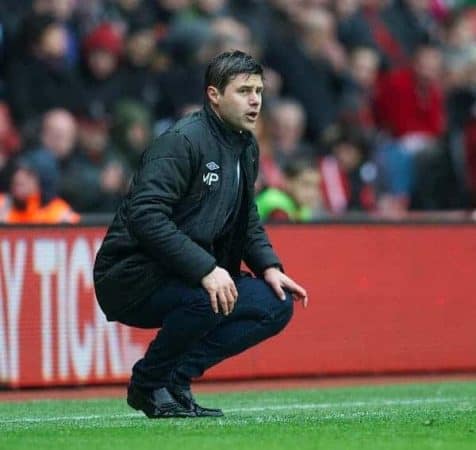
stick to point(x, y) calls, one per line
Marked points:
point(370, 105)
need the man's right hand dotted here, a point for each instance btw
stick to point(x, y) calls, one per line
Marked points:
point(222, 290)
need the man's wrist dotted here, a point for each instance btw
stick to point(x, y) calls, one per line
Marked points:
point(273, 266)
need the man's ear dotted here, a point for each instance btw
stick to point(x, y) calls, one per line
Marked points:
point(213, 95)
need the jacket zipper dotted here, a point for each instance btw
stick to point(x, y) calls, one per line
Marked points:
point(221, 203)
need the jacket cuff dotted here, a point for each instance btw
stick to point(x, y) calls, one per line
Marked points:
point(278, 266)
point(196, 277)
point(259, 265)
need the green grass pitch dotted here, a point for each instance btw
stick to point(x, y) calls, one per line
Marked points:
point(417, 416)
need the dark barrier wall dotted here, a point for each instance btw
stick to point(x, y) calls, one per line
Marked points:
point(383, 298)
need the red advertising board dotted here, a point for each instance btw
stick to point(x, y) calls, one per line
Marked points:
point(383, 299)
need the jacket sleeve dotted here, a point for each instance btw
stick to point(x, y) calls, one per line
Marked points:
point(259, 254)
point(161, 182)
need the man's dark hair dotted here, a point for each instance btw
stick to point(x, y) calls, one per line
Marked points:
point(295, 167)
point(345, 134)
point(226, 66)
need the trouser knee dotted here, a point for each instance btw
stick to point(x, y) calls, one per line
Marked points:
point(288, 308)
point(283, 312)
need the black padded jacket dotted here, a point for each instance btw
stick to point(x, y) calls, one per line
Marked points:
point(173, 222)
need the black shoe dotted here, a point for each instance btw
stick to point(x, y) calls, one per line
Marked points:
point(185, 397)
point(157, 404)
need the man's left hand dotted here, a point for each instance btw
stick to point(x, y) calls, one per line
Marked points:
point(279, 281)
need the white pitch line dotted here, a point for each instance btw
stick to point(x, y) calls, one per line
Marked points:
point(355, 404)
point(288, 407)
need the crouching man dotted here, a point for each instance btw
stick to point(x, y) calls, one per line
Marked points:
point(171, 257)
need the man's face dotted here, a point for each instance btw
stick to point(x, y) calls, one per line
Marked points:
point(102, 63)
point(23, 184)
point(287, 125)
point(428, 65)
point(364, 67)
point(140, 47)
point(59, 134)
point(240, 103)
point(348, 155)
point(53, 43)
point(304, 188)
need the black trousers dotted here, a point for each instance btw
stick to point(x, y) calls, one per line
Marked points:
point(193, 338)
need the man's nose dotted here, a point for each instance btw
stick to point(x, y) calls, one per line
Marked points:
point(254, 99)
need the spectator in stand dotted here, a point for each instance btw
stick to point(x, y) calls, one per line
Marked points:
point(101, 77)
point(356, 106)
point(309, 38)
point(139, 81)
point(416, 115)
point(347, 173)
point(13, 12)
point(418, 118)
point(298, 200)
point(415, 110)
point(58, 139)
point(131, 132)
point(30, 198)
point(98, 179)
point(287, 127)
point(40, 79)
point(64, 12)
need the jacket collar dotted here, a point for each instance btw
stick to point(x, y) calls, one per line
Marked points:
point(227, 136)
